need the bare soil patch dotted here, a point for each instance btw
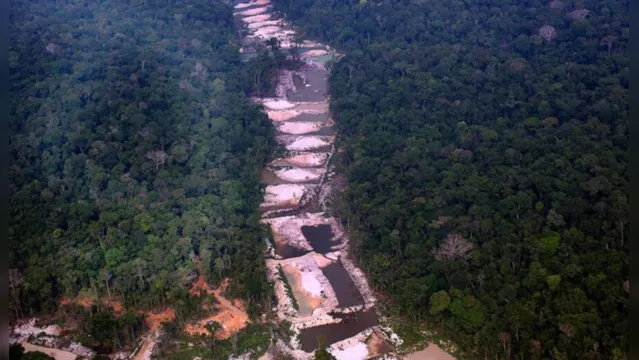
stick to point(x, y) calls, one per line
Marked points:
point(432, 352)
point(230, 315)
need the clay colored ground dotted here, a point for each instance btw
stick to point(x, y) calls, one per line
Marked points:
point(432, 352)
point(116, 305)
point(230, 315)
point(378, 345)
point(155, 320)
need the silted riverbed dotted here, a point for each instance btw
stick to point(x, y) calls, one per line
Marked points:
point(292, 207)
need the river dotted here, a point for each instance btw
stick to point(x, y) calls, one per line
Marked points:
point(328, 302)
point(335, 306)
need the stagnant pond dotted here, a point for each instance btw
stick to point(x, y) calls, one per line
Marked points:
point(310, 96)
point(315, 87)
point(345, 290)
point(351, 325)
point(310, 117)
point(320, 237)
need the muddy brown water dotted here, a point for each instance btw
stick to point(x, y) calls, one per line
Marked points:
point(318, 81)
point(284, 163)
point(345, 289)
point(352, 325)
point(320, 237)
point(310, 117)
point(325, 131)
point(268, 177)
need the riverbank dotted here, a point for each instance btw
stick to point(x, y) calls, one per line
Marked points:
point(332, 304)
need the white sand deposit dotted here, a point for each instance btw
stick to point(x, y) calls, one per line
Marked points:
point(259, 24)
point(313, 280)
point(268, 32)
point(283, 195)
point(355, 352)
point(286, 43)
point(310, 43)
point(302, 143)
point(282, 115)
point(256, 18)
point(252, 3)
point(311, 107)
point(310, 284)
point(26, 328)
point(308, 159)
point(314, 52)
point(243, 5)
point(251, 12)
point(300, 127)
point(279, 104)
point(311, 287)
point(300, 175)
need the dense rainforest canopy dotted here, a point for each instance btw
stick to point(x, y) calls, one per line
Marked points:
point(134, 153)
point(485, 144)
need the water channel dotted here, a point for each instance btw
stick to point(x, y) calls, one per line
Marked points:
point(334, 303)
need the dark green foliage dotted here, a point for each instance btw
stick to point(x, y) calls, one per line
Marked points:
point(322, 354)
point(16, 352)
point(134, 149)
point(36, 355)
point(101, 330)
point(254, 337)
point(456, 117)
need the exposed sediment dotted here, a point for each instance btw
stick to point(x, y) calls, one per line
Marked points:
point(307, 245)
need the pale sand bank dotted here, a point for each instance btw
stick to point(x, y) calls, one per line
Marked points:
point(432, 352)
point(55, 353)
